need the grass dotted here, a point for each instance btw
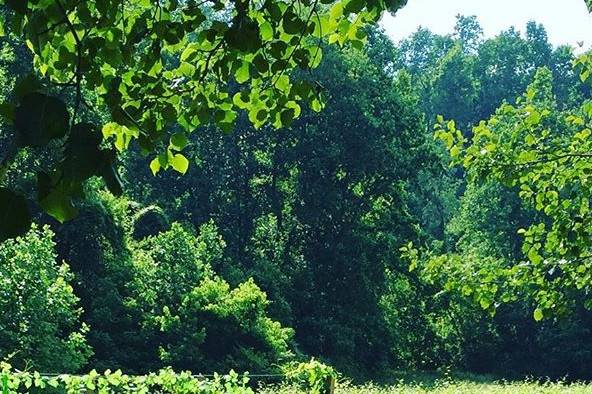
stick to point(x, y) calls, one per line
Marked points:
point(451, 388)
point(438, 383)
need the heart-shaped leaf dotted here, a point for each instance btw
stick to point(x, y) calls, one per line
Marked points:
point(40, 118)
point(83, 155)
point(15, 218)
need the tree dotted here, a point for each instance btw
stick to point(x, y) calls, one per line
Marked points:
point(539, 45)
point(191, 317)
point(160, 70)
point(544, 154)
point(39, 313)
point(314, 212)
point(469, 32)
point(453, 87)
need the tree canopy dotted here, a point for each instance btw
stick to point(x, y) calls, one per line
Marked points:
point(540, 150)
point(156, 71)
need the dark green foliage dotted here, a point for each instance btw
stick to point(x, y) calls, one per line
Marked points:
point(314, 213)
point(157, 302)
point(94, 244)
point(40, 118)
point(14, 214)
point(465, 78)
point(517, 176)
point(152, 75)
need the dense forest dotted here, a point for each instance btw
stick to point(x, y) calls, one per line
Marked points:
point(427, 209)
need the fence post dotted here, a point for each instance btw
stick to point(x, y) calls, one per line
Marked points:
point(330, 386)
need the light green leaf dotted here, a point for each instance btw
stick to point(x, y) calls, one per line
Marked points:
point(242, 74)
point(179, 163)
point(266, 31)
point(155, 166)
point(283, 83)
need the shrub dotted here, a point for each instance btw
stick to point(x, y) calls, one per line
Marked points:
point(96, 248)
point(313, 376)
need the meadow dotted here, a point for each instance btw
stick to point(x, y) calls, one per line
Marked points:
point(451, 387)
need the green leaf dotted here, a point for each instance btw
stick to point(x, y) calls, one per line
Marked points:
point(538, 314)
point(25, 85)
point(292, 24)
point(179, 141)
point(354, 6)
point(336, 10)
point(266, 31)
point(186, 69)
point(533, 118)
point(287, 116)
point(533, 256)
point(283, 83)
point(15, 218)
point(123, 134)
point(155, 166)
point(189, 53)
point(55, 196)
point(316, 56)
point(529, 139)
point(39, 119)
point(316, 105)
point(83, 155)
point(179, 163)
point(241, 100)
point(261, 64)
point(321, 26)
point(245, 37)
point(242, 74)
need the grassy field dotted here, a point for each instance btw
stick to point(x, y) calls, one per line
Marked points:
point(452, 388)
point(397, 382)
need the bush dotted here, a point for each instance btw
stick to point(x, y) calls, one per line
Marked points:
point(313, 376)
point(39, 316)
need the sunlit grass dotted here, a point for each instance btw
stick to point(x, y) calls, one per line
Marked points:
point(450, 387)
